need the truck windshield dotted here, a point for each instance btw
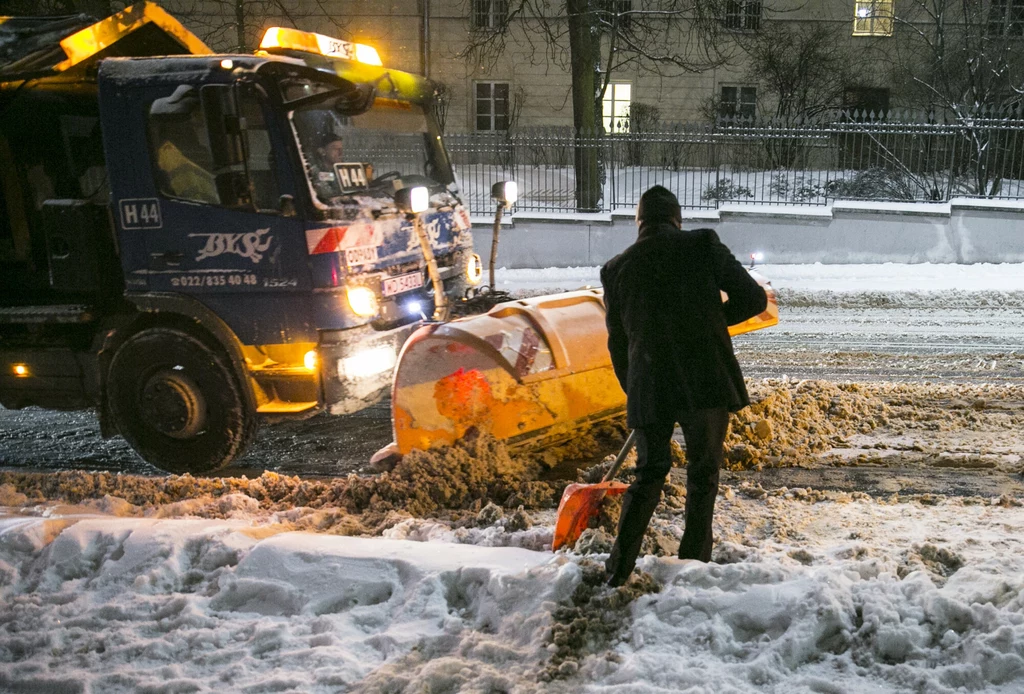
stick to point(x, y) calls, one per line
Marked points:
point(363, 154)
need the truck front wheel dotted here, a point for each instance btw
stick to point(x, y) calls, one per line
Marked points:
point(178, 403)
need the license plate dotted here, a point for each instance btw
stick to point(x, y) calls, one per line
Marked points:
point(402, 283)
point(361, 255)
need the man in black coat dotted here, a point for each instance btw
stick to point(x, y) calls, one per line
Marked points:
point(671, 351)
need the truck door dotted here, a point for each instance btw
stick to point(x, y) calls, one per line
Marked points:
point(222, 223)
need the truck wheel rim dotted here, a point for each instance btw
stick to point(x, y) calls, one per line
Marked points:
point(173, 404)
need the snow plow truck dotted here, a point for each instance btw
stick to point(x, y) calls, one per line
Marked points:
point(194, 243)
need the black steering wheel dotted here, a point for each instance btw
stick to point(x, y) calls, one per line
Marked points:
point(388, 176)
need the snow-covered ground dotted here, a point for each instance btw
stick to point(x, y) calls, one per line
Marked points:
point(887, 277)
point(828, 595)
point(810, 591)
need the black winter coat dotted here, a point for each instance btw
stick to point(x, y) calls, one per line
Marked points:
point(668, 327)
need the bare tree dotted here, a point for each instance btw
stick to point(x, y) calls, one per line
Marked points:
point(799, 69)
point(43, 8)
point(441, 103)
point(595, 40)
point(801, 73)
point(961, 59)
point(238, 25)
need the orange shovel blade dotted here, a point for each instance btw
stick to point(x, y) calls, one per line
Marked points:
point(580, 503)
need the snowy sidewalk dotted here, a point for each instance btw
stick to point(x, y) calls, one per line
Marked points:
point(843, 595)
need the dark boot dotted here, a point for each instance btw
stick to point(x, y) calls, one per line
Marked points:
point(653, 462)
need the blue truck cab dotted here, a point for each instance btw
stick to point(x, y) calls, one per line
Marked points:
point(241, 257)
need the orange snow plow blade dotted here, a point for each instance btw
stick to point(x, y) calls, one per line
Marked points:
point(531, 372)
point(582, 502)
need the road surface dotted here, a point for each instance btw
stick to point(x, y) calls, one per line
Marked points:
point(908, 341)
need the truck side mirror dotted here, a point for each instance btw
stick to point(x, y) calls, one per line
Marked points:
point(224, 128)
point(286, 205)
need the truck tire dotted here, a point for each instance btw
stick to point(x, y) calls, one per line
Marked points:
point(178, 403)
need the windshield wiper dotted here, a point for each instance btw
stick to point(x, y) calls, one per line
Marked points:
point(350, 101)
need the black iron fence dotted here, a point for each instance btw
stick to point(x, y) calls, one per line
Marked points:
point(893, 157)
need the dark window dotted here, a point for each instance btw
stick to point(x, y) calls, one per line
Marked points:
point(1006, 18)
point(183, 159)
point(738, 103)
point(743, 15)
point(180, 143)
point(619, 11)
point(492, 105)
point(866, 103)
point(489, 15)
point(259, 154)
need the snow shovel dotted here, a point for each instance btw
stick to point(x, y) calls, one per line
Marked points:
point(582, 502)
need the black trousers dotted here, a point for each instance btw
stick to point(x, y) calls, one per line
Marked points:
point(704, 431)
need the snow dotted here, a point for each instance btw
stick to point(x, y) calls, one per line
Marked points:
point(886, 277)
point(839, 595)
point(823, 592)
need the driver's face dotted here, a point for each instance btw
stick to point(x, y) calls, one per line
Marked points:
point(332, 151)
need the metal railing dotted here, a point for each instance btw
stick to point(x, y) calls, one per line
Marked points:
point(892, 157)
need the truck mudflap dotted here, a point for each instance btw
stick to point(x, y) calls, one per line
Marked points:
point(531, 373)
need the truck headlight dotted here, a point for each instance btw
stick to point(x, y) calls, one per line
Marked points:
point(309, 360)
point(363, 301)
point(474, 268)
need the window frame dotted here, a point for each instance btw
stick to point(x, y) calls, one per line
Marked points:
point(493, 101)
point(880, 20)
point(616, 8)
point(738, 103)
point(240, 92)
point(157, 140)
point(609, 125)
point(739, 15)
point(488, 15)
point(1006, 20)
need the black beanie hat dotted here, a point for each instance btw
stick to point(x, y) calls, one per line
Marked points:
point(658, 204)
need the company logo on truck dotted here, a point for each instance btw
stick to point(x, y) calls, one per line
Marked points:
point(433, 229)
point(251, 245)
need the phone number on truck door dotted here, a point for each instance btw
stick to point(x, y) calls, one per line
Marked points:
point(240, 280)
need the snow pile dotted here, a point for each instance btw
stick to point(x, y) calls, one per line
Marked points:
point(790, 420)
point(461, 478)
point(842, 595)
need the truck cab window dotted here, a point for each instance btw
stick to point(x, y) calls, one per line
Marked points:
point(258, 151)
point(344, 152)
point(180, 146)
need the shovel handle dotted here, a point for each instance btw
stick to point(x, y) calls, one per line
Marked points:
point(621, 457)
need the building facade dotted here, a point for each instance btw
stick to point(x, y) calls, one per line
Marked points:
point(502, 68)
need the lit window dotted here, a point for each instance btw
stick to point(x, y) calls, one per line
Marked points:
point(615, 107)
point(489, 15)
point(737, 103)
point(1006, 18)
point(492, 105)
point(743, 15)
point(872, 17)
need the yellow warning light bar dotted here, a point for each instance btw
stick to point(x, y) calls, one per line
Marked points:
point(310, 42)
point(86, 43)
